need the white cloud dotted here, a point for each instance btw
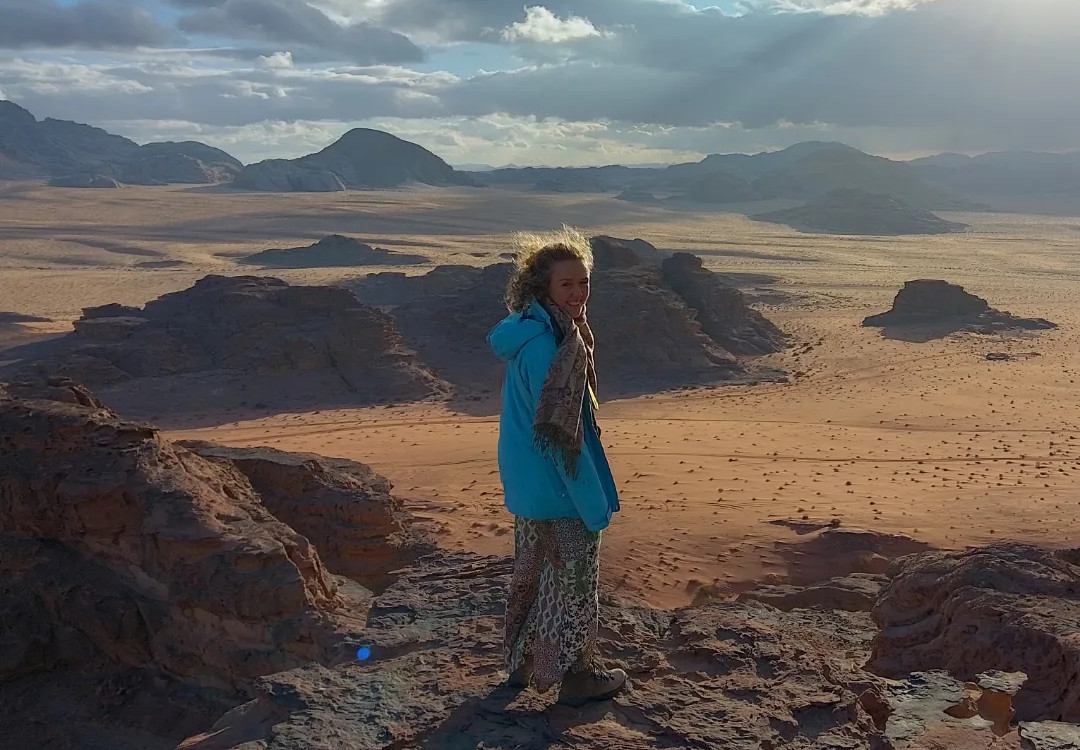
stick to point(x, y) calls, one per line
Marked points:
point(544, 27)
point(277, 61)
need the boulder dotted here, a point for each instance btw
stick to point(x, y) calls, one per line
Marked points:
point(853, 211)
point(235, 341)
point(610, 252)
point(1006, 607)
point(721, 309)
point(332, 250)
point(343, 507)
point(930, 302)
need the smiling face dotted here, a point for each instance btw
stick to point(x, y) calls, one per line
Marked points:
point(568, 287)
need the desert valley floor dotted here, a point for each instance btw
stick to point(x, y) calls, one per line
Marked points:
point(721, 485)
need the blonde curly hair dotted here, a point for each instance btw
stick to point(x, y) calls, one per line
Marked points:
point(536, 254)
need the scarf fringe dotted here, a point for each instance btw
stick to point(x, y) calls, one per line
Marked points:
point(552, 440)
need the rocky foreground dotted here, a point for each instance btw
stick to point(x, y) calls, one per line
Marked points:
point(158, 595)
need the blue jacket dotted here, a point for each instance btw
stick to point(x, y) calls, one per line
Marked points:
point(535, 485)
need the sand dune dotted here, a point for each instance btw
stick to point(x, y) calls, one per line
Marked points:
point(929, 440)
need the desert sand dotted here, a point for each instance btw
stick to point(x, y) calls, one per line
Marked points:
point(719, 485)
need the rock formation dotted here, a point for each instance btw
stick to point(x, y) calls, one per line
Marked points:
point(449, 333)
point(84, 156)
point(238, 341)
point(332, 250)
point(126, 559)
point(343, 507)
point(934, 302)
point(740, 674)
point(184, 162)
point(150, 594)
point(1008, 607)
point(614, 252)
point(721, 310)
point(446, 315)
point(361, 158)
point(851, 211)
point(735, 676)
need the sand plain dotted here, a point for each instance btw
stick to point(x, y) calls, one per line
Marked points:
point(720, 486)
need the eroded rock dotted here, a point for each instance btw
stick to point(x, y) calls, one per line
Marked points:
point(128, 563)
point(1007, 607)
point(721, 309)
point(929, 302)
point(736, 676)
point(238, 341)
point(343, 507)
point(332, 250)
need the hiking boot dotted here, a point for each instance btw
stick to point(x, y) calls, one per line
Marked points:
point(594, 684)
point(521, 676)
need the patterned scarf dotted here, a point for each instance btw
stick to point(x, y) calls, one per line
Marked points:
point(558, 428)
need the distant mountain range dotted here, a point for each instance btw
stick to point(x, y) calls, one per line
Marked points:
point(74, 154)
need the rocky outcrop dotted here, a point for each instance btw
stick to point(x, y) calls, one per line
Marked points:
point(184, 162)
point(84, 181)
point(735, 676)
point(449, 333)
point(850, 211)
point(446, 315)
point(392, 288)
point(238, 341)
point(343, 507)
point(721, 310)
point(1007, 607)
point(119, 548)
point(611, 253)
point(932, 302)
point(332, 250)
point(362, 158)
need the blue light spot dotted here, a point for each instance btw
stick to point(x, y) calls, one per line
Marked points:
point(363, 653)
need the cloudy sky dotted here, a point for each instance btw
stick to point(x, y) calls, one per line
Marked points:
point(560, 82)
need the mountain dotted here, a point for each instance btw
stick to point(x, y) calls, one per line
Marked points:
point(362, 158)
point(75, 153)
point(1015, 173)
point(805, 171)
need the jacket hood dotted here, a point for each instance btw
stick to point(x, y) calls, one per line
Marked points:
point(517, 329)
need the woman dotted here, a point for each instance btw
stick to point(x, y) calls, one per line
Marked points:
point(555, 477)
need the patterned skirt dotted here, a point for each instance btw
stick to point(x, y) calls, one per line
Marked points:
point(553, 609)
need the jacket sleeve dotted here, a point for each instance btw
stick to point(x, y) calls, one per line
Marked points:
point(585, 491)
